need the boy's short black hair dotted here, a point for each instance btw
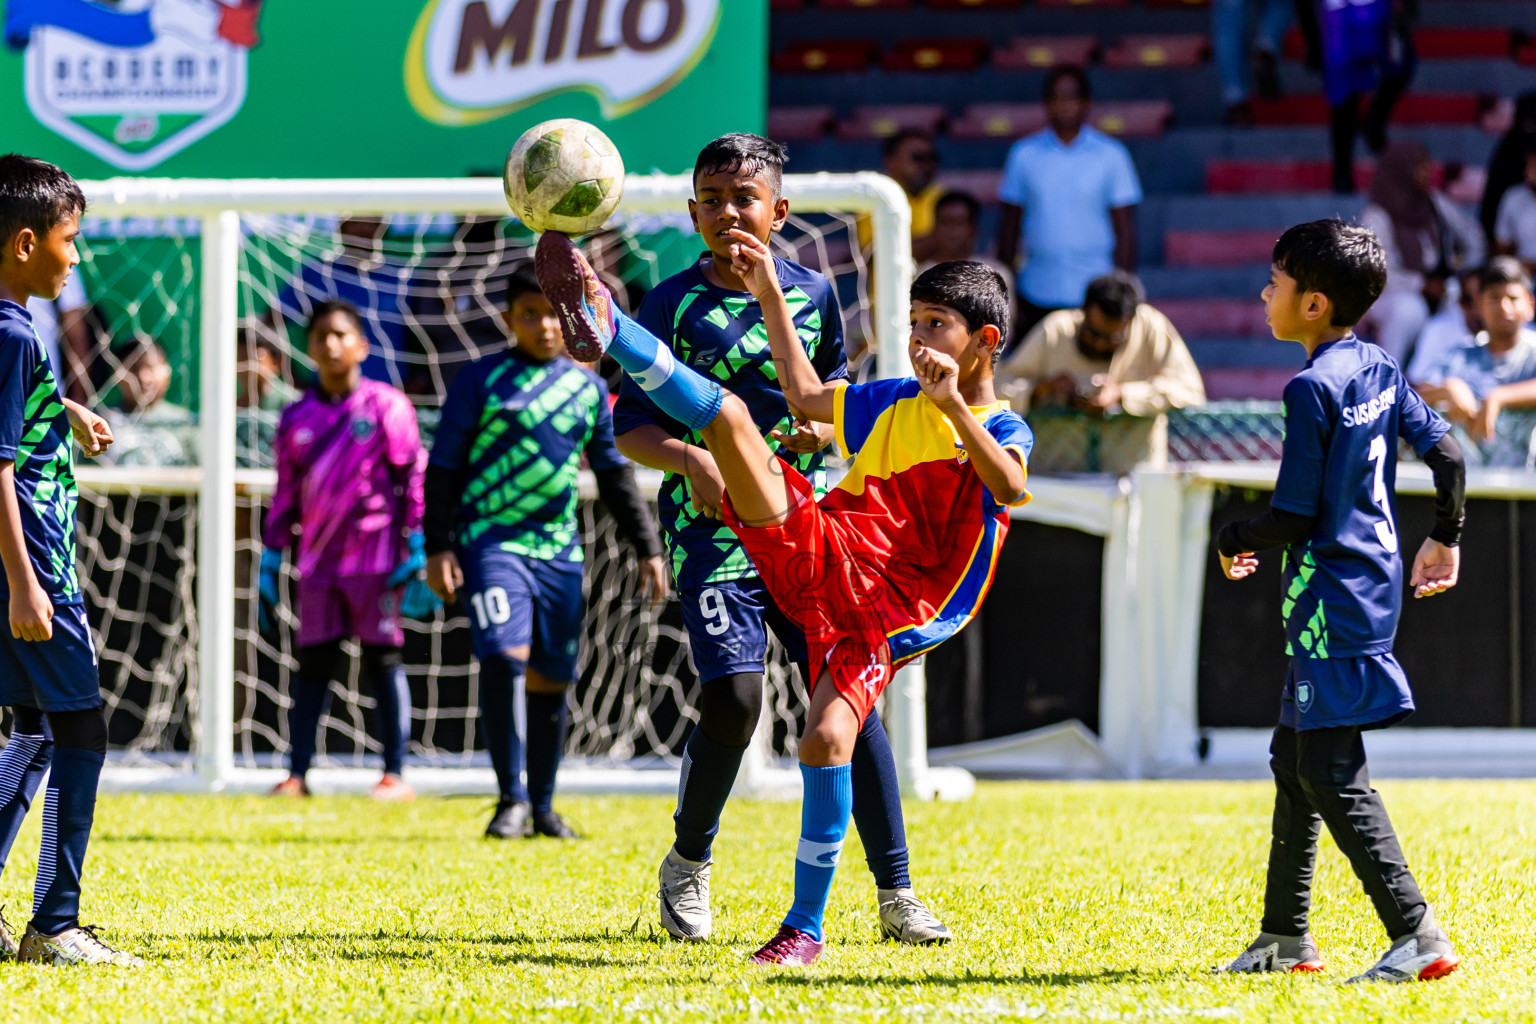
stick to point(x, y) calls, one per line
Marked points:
point(35, 194)
point(1115, 294)
point(892, 143)
point(974, 290)
point(1061, 71)
point(522, 282)
point(330, 306)
point(1343, 261)
point(1502, 270)
point(965, 199)
point(744, 153)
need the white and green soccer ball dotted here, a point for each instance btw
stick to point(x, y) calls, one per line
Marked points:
point(564, 175)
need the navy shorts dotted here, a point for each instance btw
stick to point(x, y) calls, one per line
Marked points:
point(514, 600)
point(728, 624)
point(1322, 693)
point(55, 675)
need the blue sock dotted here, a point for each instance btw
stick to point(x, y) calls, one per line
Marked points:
point(709, 772)
point(678, 390)
point(68, 809)
point(547, 723)
point(877, 806)
point(309, 696)
point(823, 824)
point(23, 763)
point(502, 713)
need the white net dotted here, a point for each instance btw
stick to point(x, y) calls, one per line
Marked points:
point(430, 288)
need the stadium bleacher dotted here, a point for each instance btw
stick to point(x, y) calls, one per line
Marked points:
point(972, 70)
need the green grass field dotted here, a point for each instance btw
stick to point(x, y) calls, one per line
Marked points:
point(1069, 901)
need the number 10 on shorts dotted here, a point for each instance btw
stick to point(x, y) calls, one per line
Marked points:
point(491, 607)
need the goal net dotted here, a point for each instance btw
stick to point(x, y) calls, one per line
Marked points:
point(192, 335)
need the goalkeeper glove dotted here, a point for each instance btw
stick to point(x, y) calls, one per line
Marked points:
point(419, 602)
point(414, 562)
point(266, 589)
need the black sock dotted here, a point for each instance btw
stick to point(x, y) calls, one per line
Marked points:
point(709, 772)
point(310, 692)
point(877, 806)
point(501, 715)
point(547, 723)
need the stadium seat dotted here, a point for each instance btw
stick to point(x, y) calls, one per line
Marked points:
point(786, 5)
point(1267, 384)
point(1415, 108)
point(1131, 119)
point(998, 121)
point(936, 55)
point(1082, 3)
point(1158, 51)
point(942, 4)
point(844, 4)
point(827, 56)
point(880, 121)
point(1271, 176)
point(982, 184)
point(1025, 53)
point(1216, 318)
point(1526, 53)
point(1183, 248)
point(1432, 43)
point(799, 123)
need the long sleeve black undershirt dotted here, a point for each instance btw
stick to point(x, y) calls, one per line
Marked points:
point(1276, 527)
point(444, 487)
point(618, 490)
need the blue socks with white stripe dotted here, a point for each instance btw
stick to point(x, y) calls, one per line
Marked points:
point(823, 825)
point(69, 806)
point(23, 763)
point(678, 390)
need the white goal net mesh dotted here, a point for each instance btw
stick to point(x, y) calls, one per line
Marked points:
point(430, 287)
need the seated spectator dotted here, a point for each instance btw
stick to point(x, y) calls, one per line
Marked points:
point(1514, 232)
point(1425, 238)
point(910, 159)
point(1495, 371)
point(1447, 332)
point(1114, 352)
point(149, 430)
point(956, 228)
point(261, 384)
point(1074, 191)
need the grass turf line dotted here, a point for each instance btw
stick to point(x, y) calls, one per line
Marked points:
point(1096, 901)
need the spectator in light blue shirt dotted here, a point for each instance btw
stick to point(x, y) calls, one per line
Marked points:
point(1075, 191)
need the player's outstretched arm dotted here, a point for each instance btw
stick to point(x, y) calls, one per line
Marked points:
point(1002, 473)
point(31, 611)
point(804, 390)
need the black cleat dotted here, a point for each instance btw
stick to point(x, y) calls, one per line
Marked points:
point(510, 821)
point(548, 823)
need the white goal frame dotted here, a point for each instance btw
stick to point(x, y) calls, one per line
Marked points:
point(218, 203)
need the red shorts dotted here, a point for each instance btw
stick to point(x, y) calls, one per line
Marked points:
point(828, 583)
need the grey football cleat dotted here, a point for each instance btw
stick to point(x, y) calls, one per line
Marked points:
point(1279, 954)
point(906, 918)
point(1424, 955)
point(684, 895)
point(8, 946)
point(72, 946)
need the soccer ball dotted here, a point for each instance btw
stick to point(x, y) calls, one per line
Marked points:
point(564, 175)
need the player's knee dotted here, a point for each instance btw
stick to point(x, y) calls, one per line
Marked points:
point(733, 416)
point(79, 730)
point(317, 662)
point(729, 707)
point(29, 722)
point(379, 660)
point(826, 743)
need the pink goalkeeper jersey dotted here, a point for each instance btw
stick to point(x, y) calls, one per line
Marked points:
point(349, 475)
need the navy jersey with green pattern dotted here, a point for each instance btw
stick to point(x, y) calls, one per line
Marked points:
point(516, 430)
point(34, 434)
point(720, 334)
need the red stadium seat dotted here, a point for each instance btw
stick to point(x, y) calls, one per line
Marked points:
point(1082, 3)
point(865, 3)
point(828, 56)
point(980, 184)
point(1024, 53)
point(799, 123)
point(998, 121)
point(786, 5)
point(1270, 176)
point(1158, 51)
point(1217, 248)
point(1216, 318)
point(936, 55)
point(975, 3)
point(882, 121)
point(1131, 119)
point(1431, 43)
point(1526, 54)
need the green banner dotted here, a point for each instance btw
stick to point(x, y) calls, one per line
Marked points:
point(387, 88)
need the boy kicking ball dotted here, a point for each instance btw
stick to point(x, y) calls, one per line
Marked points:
point(896, 558)
point(48, 671)
point(1334, 512)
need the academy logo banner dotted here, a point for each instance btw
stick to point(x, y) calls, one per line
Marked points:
point(133, 84)
point(475, 60)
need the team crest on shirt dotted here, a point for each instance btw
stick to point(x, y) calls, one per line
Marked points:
point(961, 455)
point(363, 428)
point(1303, 695)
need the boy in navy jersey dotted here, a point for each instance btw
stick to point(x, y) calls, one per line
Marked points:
point(1334, 512)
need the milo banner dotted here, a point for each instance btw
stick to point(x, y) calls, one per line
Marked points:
point(383, 88)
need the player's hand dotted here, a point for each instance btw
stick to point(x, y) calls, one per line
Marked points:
point(1435, 568)
point(753, 263)
point(267, 596)
point(938, 375)
point(705, 485)
point(653, 579)
point(31, 613)
point(1239, 566)
point(92, 432)
point(805, 437)
point(415, 561)
point(444, 575)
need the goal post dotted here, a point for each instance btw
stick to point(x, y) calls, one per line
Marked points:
point(223, 208)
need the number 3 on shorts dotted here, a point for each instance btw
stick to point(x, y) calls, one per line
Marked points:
point(712, 606)
point(491, 607)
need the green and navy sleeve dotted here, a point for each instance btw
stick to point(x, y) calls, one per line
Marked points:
point(1303, 460)
point(15, 380)
point(602, 453)
point(828, 354)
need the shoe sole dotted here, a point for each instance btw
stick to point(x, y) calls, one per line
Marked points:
point(562, 277)
point(938, 940)
point(1313, 967)
point(1440, 968)
point(673, 930)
